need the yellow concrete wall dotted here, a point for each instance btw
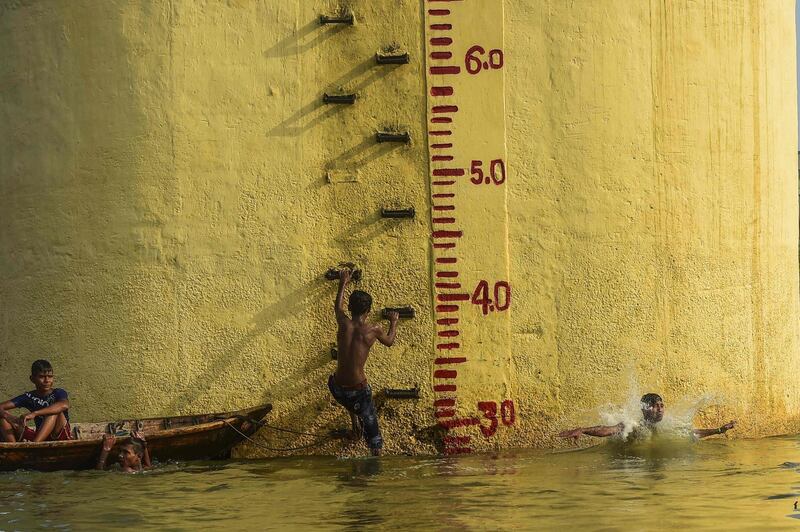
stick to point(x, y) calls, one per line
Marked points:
point(167, 214)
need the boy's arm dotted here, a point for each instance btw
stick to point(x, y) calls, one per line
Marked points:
point(146, 456)
point(387, 338)
point(146, 453)
point(8, 405)
point(600, 431)
point(55, 408)
point(108, 443)
point(703, 433)
point(338, 306)
point(11, 404)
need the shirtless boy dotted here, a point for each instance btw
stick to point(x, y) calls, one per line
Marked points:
point(652, 414)
point(133, 455)
point(355, 338)
point(47, 406)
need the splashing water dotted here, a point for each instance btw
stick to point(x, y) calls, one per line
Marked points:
point(676, 425)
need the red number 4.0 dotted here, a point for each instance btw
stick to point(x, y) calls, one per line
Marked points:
point(502, 297)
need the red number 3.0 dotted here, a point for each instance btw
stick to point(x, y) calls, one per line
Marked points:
point(489, 409)
point(508, 415)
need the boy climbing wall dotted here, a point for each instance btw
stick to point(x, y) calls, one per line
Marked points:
point(355, 337)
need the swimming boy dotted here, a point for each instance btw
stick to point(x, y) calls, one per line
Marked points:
point(47, 406)
point(652, 414)
point(355, 337)
point(133, 454)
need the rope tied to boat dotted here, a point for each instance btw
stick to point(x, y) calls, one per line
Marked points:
point(279, 449)
point(273, 427)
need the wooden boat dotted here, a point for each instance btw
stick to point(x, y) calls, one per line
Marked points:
point(206, 436)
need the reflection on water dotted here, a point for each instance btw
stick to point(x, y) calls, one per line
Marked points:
point(711, 485)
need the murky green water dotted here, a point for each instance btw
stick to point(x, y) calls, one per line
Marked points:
point(712, 485)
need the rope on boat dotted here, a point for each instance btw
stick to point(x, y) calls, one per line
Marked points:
point(262, 423)
point(273, 427)
point(282, 449)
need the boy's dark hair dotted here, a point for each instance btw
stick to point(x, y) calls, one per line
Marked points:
point(650, 399)
point(138, 449)
point(41, 366)
point(360, 302)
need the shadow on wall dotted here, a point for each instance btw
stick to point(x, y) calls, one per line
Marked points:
point(360, 234)
point(304, 39)
point(315, 112)
point(361, 154)
point(287, 307)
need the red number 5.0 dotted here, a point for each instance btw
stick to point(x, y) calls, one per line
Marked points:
point(497, 172)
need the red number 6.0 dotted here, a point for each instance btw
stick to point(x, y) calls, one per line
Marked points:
point(474, 63)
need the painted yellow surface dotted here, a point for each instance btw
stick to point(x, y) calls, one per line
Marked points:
point(172, 190)
point(473, 372)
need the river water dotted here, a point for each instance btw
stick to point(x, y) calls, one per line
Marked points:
point(710, 485)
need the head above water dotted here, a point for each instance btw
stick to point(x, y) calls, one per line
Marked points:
point(42, 375)
point(652, 407)
point(130, 454)
point(360, 303)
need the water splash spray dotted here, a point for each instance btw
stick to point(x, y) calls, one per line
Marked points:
point(677, 420)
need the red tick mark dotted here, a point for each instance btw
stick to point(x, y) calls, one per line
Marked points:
point(442, 91)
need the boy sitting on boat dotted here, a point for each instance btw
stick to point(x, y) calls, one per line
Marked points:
point(133, 454)
point(47, 406)
point(355, 338)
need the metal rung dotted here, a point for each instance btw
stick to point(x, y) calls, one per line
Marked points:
point(346, 18)
point(405, 312)
point(397, 213)
point(332, 274)
point(334, 353)
point(392, 59)
point(402, 393)
point(348, 99)
point(385, 136)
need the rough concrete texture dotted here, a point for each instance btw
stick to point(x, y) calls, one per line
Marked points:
point(173, 189)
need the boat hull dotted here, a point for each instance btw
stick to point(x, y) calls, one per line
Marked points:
point(209, 436)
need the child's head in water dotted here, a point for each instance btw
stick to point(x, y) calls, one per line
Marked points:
point(130, 454)
point(360, 303)
point(652, 408)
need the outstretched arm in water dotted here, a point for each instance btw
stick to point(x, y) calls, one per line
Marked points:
point(702, 433)
point(601, 431)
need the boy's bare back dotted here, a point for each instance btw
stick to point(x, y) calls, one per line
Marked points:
point(355, 337)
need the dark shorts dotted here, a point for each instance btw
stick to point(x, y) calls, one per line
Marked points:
point(360, 403)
